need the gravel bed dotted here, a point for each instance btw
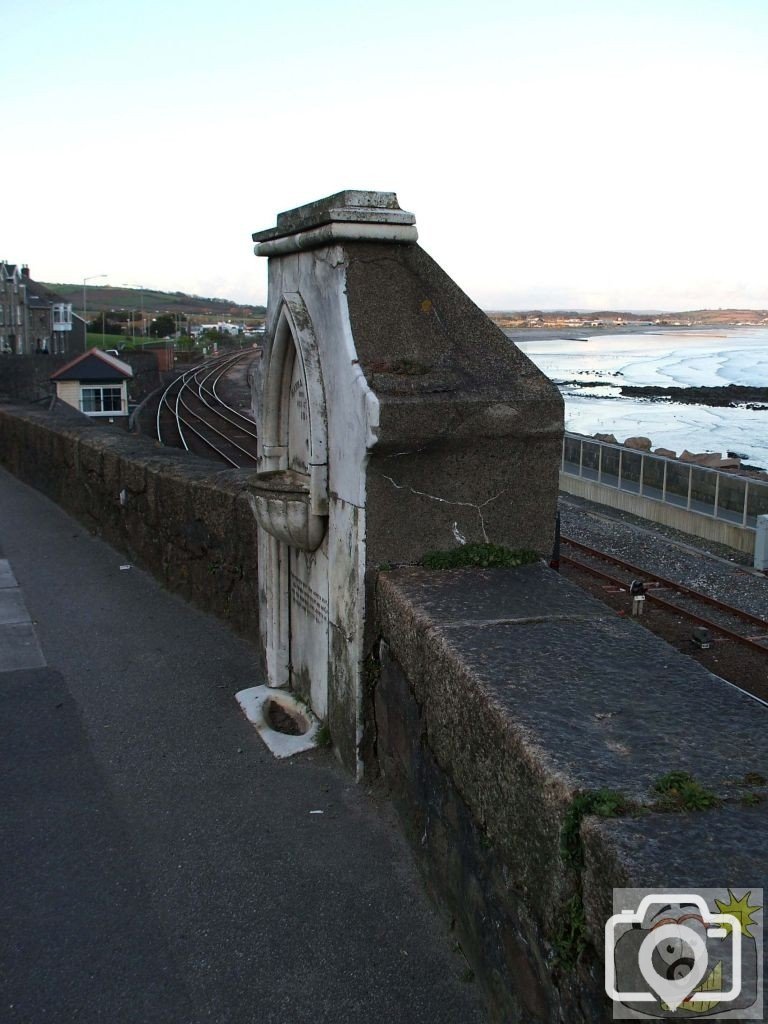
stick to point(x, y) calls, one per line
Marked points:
point(714, 569)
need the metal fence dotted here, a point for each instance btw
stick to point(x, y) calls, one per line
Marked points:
point(711, 492)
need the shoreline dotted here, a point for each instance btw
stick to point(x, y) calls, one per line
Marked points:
point(714, 416)
point(586, 333)
point(718, 396)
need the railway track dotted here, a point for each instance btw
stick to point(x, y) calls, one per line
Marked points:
point(733, 643)
point(728, 621)
point(192, 415)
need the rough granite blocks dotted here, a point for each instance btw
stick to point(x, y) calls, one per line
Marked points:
point(722, 846)
point(504, 694)
point(469, 430)
point(182, 518)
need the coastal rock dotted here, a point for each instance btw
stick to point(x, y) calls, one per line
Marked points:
point(607, 438)
point(709, 459)
point(642, 444)
point(729, 464)
point(666, 452)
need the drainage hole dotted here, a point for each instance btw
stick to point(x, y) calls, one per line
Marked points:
point(281, 720)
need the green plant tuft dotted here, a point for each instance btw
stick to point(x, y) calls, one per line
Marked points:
point(571, 940)
point(605, 803)
point(755, 779)
point(679, 791)
point(480, 556)
point(323, 735)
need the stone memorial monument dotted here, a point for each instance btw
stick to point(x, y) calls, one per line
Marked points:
point(394, 418)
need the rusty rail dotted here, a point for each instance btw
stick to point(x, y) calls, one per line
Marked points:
point(681, 588)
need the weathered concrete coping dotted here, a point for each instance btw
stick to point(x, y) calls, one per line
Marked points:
point(673, 853)
point(532, 692)
point(351, 215)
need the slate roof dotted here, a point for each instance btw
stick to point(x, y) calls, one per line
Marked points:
point(38, 295)
point(93, 365)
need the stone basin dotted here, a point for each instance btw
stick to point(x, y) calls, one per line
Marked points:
point(281, 503)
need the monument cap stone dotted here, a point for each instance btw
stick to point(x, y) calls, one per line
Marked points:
point(350, 215)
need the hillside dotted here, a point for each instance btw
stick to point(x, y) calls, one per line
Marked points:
point(104, 298)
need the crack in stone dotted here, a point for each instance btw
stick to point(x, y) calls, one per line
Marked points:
point(445, 501)
point(348, 637)
point(397, 455)
point(334, 261)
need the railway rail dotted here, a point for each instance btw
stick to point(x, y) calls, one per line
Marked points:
point(192, 415)
point(730, 622)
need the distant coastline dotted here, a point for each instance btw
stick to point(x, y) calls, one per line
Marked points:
point(585, 333)
point(573, 326)
point(695, 386)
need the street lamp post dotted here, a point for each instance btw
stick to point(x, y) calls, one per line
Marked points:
point(92, 277)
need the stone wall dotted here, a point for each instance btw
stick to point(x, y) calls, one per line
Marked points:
point(26, 378)
point(182, 518)
point(508, 706)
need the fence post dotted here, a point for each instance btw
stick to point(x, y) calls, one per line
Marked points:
point(717, 492)
point(690, 486)
point(642, 472)
point(761, 543)
point(746, 502)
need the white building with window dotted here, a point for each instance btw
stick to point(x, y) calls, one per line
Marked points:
point(96, 384)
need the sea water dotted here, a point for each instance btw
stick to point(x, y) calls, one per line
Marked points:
point(695, 358)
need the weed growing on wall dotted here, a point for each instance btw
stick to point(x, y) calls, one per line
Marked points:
point(679, 791)
point(479, 556)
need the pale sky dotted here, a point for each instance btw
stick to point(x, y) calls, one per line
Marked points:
point(556, 153)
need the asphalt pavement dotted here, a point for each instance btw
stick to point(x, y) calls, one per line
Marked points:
point(156, 863)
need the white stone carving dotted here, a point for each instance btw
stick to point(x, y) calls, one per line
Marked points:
point(317, 421)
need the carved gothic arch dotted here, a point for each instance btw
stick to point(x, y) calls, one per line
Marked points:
point(295, 341)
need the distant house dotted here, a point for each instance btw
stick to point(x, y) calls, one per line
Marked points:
point(33, 319)
point(96, 384)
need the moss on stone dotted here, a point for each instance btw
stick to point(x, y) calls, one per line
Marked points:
point(479, 556)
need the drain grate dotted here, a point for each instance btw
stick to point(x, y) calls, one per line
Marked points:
point(281, 720)
point(286, 726)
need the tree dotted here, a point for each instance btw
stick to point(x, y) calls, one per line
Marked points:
point(163, 326)
point(103, 323)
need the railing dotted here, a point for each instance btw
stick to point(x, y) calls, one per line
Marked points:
point(710, 492)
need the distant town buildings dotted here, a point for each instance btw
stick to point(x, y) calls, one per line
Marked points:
point(33, 319)
point(570, 319)
point(221, 328)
